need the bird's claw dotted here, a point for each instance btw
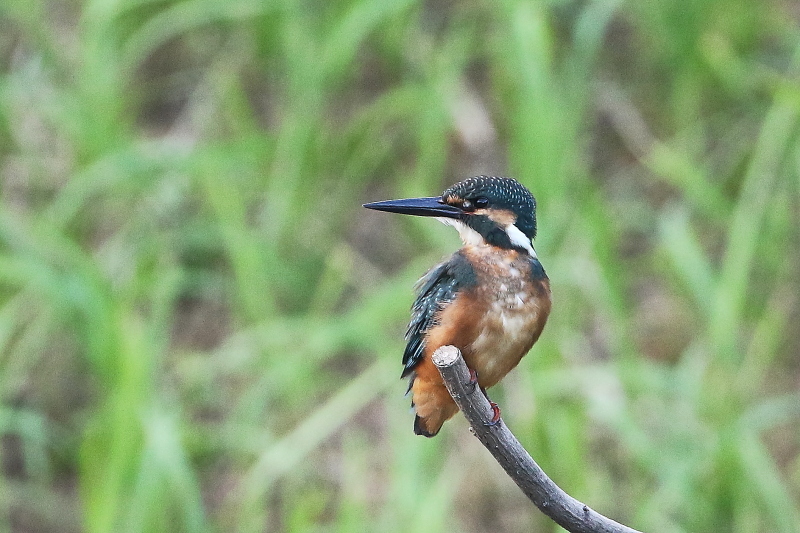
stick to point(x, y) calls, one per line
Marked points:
point(471, 384)
point(495, 415)
point(473, 381)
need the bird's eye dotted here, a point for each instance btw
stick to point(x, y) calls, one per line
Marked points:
point(481, 202)
point(466, 205)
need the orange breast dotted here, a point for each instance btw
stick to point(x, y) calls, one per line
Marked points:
point(494, 325)
point(512, 308)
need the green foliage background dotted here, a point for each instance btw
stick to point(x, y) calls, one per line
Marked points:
point(201, 329)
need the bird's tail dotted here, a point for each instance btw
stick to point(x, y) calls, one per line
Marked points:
point(427, 427)
point(432, 404)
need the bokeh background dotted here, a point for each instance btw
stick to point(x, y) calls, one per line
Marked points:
point(201, 329)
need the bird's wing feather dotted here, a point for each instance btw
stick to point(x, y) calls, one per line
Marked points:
point(437, 288)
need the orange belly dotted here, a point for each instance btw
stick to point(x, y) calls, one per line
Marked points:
point(493, 328)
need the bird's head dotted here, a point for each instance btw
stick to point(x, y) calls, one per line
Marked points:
point(485, 210)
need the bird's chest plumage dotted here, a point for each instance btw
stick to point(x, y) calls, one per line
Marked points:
point(510, 306)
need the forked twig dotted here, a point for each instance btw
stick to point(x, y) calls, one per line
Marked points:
point(562, 508)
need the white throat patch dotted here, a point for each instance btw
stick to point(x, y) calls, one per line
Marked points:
point(467, 234)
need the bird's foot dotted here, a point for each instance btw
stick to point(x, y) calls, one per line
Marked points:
point(473, 381)
point(470, 385)
point(495, 414)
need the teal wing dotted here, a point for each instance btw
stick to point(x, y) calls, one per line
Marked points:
point(434, 291)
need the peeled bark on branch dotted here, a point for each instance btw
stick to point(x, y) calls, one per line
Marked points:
point(562, 508)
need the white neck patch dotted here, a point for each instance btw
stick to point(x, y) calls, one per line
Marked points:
point(519, 239)
point(472, 237)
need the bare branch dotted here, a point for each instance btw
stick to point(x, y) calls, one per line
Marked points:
point(565, 510)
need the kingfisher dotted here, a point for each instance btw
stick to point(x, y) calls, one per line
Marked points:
point(490, 299)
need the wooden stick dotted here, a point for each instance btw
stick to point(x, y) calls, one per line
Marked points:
point(562, 508)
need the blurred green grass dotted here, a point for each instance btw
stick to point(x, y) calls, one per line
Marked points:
point(200, 328)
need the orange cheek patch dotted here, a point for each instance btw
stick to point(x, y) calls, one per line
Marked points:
point(503, 217)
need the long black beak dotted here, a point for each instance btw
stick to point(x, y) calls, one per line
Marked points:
point(423, 207)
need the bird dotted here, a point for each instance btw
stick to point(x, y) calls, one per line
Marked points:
point(490, 299)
